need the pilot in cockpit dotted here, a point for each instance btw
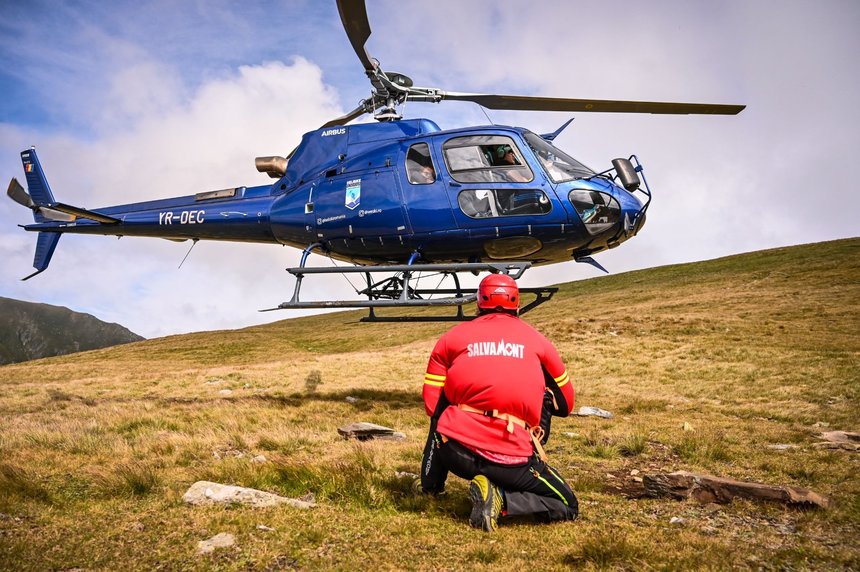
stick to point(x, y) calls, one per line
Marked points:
point(507, 157)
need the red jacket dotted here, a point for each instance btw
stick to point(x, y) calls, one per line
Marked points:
point(495, 362)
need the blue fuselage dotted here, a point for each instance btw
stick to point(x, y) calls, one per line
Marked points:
point(363, 193)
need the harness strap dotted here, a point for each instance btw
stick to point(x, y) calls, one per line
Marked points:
point(536, 433)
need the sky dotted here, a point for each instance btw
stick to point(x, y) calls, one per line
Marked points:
point(133, 101)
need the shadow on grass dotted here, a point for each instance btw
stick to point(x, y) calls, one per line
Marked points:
point(366, 398)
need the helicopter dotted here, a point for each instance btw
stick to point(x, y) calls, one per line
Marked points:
point(401, 198)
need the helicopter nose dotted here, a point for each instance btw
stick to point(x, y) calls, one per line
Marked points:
point(609, 213)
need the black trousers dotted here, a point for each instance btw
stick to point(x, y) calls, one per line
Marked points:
point(533, 488)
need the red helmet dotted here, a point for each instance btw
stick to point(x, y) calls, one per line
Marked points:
point(498, 291)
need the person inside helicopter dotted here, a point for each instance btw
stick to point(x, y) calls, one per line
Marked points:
point(425, 175)
point(419, 165)
point(506, 157)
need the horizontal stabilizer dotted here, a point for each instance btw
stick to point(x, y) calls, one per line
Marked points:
point(53, 215)
point(45, 245)
point(82, 213)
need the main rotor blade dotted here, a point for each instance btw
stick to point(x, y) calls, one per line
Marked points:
point(534, 103)
point(17, 193)
point(344, 119)
point(353, 15)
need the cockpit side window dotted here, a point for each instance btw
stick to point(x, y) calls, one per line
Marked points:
point(419, 165)
point(485, 159)
point(559, 166)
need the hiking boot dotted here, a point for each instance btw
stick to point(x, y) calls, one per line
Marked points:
point(416, 488)
point(486, 504)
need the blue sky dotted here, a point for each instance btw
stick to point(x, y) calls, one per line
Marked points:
point(143, 100)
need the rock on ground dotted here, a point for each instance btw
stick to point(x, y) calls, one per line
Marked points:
point(205, 493)
point(220, 540)
point(364, 431)
point(707, 489)
point(594, 412)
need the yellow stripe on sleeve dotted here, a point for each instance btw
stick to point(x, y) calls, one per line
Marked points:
point(562, 379)
point(436, 380)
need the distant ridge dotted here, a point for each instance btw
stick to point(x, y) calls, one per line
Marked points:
point(30, 331)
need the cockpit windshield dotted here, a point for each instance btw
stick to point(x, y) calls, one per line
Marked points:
point(559, 166)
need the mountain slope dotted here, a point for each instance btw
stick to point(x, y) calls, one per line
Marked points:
point(31, 331)
point(731, 367)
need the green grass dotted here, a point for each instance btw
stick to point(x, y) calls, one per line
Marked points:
point(704, 366)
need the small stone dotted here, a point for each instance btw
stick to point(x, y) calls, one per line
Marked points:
point(781, 447)
point(225, 392)
point(259, 459)
point(364, 431)
point(220, 540)
point(637, 479)
point(594, 412)
point(634, 472)
point(351, 399)
point(265, 528)
point(677, 520)
point(686, 426)
point(137, 526)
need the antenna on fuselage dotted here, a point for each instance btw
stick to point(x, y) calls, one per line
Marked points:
point(193, 244)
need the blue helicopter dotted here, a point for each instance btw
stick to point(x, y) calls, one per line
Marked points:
point(400, 198)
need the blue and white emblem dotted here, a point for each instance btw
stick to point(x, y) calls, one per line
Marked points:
point(353, 194)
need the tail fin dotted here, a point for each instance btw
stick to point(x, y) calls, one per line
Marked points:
point(37, 184)
point(45, 245)
point(37, 199)
point(41, 201)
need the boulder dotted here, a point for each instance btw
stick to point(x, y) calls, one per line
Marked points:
point(208, 493)
point(707, 489)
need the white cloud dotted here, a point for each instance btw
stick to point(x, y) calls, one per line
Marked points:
point(149, 127)
point(176, 147)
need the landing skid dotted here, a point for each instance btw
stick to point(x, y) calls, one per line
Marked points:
point(397, 291)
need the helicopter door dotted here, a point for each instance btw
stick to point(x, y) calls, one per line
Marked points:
point(360, 212)
point(424, 193)
point(493, 189)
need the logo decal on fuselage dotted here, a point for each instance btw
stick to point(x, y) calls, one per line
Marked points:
point(338, 131)
point(500, 348)
point(353, 194)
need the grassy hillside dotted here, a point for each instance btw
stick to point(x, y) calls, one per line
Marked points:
point(704, 365)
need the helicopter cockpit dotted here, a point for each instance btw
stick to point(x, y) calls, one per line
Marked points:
point(559, 166)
